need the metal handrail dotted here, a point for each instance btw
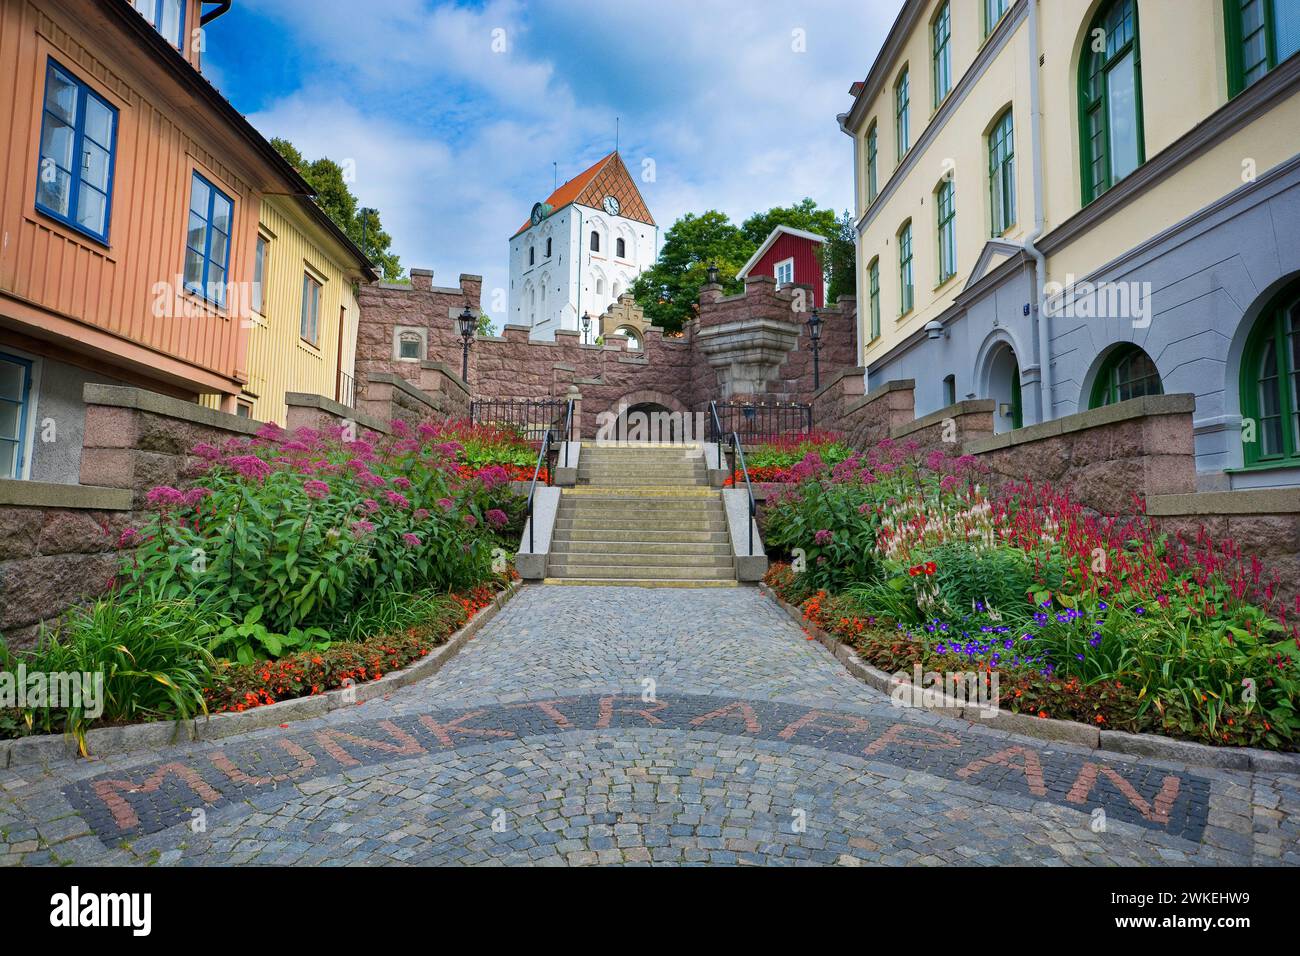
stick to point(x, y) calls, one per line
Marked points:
point(568, 432)
point(717, 433)
point(753, 505)
point(532, 489)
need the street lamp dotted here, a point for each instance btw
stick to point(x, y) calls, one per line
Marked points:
point(467, 321)
point(815, 337)
point(713, 273)
point(586, 328)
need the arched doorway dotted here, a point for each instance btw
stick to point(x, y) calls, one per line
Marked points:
point(1004, 388)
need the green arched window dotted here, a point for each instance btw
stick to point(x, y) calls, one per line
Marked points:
point(945, 205)
point(902, 119)
point(942, 35)
point(1270, 385)
point(1261, 34)
point(1110, 99)
point(1128, 372)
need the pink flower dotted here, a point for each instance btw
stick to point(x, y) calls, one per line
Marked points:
point(360, 528)
point(270, 432)
point(316, 489)
point(497, 518)
point(249, 466)
point(470, 521)
point(400, 428)
point(371, 481)
point(397, 500)
point(207, 451)
point(164, 496)
point(445, 504)
point(493, 477)
point(823, 536)
point(370, 505)
point(127, 538)
point(421, 514)
point(195, 495)
point(412, 541)
point(402, 483)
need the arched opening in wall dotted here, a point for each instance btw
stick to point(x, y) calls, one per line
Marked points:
point(651, 422)
point(1126, 372)
point(1004, 388)
point(633, 340)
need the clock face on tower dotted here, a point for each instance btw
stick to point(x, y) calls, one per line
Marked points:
point(611, 205)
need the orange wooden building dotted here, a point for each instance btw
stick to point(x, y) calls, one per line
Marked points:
point(129, 214)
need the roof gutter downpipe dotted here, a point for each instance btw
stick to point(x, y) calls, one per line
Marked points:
point(1043, 343)
point(222, 7)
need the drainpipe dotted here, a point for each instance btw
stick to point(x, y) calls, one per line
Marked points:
point(1042, 334)
point(222, 7)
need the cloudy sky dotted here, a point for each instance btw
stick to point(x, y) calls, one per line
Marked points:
point(453, 113)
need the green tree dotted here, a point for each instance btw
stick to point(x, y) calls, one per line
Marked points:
point(802, 215)
point(360, 225)
point(669, 291)
point(840, 261)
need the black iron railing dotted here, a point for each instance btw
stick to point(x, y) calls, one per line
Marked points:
point(739, 452)
point(756, 422)
point(530, 418)
point(543, 459)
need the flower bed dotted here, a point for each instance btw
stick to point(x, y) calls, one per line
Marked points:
point(1088, 617)
point(779, 459)
point(289, 548)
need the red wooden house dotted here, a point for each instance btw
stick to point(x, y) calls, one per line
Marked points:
point(792, 257)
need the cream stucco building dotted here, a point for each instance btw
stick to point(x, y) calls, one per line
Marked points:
point(1062, 205)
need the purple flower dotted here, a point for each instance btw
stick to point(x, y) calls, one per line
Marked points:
point(400, 428)
point(207, 451)
point(164, 496)
point(270, 432)
point(249, 466)
point(823, 536)
point(421, 514)
point(412, 541)
point(360, 528)
point(370, 505)
point(497, 518)
point(370, 480)
point(316, 489)
point(195, 495)
point(493, 477)
point(402, 483)
point(127, 538)
point(470, 521)
point(445, 504)
point(397, 500)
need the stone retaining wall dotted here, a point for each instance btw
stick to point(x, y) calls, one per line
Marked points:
point(58, 546)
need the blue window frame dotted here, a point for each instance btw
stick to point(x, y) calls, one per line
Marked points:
point(74, 176)
point(15, 400)
point(207, 241)
point(165, 16)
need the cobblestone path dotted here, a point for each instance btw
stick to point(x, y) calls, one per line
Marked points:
point(537, 745)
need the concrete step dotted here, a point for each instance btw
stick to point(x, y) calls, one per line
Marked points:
point(641, 526)
point(613, 504)
point(636, 546)
point(630, 558)
point(640, 572)
point(634, 471)
point(669, 539)
point(639, 583)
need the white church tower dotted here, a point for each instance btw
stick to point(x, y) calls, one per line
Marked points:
point(580, 250)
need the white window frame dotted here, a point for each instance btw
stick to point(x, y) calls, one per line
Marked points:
point(34, 390)
point(776, 271)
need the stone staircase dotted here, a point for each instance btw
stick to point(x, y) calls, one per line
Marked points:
point(641, 515)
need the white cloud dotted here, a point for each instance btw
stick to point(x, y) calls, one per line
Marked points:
point(454, 142)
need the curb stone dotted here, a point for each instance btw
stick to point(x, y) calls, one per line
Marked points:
point(1063, 731)
point(105, 741)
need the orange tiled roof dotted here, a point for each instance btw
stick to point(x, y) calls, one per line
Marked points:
point(618, 182)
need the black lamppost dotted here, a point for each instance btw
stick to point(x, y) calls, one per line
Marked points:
point(586, 328)
point(467, 321)
point(713, 273)
point(815, 337)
